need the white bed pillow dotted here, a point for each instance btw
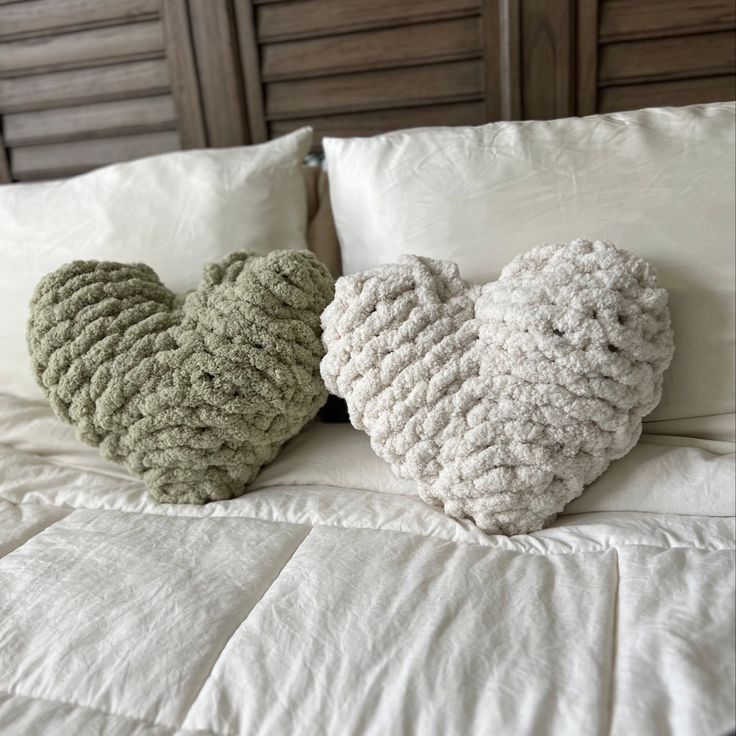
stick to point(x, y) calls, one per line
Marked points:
point(657, 182)
point(175, 212)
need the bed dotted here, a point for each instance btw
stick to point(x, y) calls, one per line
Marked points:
point(329, 598)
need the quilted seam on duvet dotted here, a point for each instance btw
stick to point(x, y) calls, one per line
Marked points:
point(224, 647)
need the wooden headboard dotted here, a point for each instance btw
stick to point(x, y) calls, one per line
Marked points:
point(88, 82)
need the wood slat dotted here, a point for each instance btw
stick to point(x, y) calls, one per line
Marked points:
point(502, 59)
point(48, 162)
point(630, 19)
point(221, 89)
point(45, 17)
point(124, 117)
point(657, 59)
point(547, 55)
point(382, 49)
point(132, 42)
point(494, 75)
point(409, 87)
point(381, 121)
point(183, 73)
point(586, 59)
point(4, 164)
point(64, 89)
point(679, 92)
point(250, 67)
point(291, 20)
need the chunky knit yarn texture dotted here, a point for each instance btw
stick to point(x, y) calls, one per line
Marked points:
point(502, 401)
point(195, 393)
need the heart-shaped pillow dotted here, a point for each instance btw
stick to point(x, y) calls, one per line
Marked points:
point(193, 394)
point(505, 400)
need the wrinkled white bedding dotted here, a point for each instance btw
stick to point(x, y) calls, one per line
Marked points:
point(332, 600)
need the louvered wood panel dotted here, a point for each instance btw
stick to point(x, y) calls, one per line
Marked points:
point(356, 66)
point(48, 17)
point(630, 19)
point(101, 120)
point(82, 86)
point(676, 92)
point(681, 57)
point(394, 88)
point(304, 18)
point(644, 53)
point(132, 42)
point(382, 49)
point(379, 121)
point(81, 77)
point(88, 82)
point(53, 161)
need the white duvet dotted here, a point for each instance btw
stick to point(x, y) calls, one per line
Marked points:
point(332, 600)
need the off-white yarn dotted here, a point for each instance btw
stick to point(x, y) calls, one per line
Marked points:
point(505, 400)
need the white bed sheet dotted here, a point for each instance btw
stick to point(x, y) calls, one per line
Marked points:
point(331, 600)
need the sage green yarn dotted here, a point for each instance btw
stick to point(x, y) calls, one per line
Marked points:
point(192, 394)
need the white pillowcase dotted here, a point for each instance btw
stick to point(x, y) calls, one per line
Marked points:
point(175, 212)
point(657, 182)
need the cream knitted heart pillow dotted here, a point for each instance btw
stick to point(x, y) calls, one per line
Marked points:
point(505, 400)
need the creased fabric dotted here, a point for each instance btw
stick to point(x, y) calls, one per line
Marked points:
point(332, 601)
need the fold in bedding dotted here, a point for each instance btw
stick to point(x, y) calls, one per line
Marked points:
point(332, 600)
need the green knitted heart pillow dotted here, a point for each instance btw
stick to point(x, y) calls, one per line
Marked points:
point(193, 394)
